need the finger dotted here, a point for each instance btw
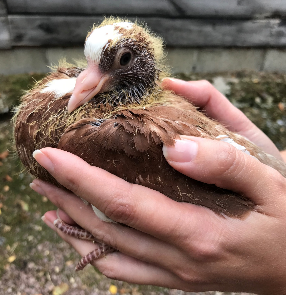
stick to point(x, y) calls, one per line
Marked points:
point(128, 269)
point(130, 204)
point(204, 95)
point(127, 240)
point(283, 155)
point(120, 266)
point(222, 164)
point(65, 218)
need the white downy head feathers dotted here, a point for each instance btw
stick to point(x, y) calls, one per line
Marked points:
point(100, 37)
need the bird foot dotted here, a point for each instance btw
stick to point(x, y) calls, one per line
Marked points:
point(73, 231)
point(100, 251)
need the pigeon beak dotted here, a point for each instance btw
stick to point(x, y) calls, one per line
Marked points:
point(89, 83)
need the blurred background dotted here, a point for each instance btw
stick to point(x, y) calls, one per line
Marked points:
point(238, 45)
point(201, 35)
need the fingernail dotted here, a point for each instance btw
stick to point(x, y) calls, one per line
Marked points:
point(167, 79)
point(182, 151)
point(43, 160)
point(37, 188)
point(48, 223)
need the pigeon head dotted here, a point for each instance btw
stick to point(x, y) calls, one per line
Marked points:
point(124, 62)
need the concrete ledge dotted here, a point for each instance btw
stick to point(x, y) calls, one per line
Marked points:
point(215, 60)
point(4, 33)
point(24, 60)
point(181, 60)
point(275, 60)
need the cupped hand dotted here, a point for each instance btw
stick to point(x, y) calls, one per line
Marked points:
point(180, 245)
point(205, 96)
point(172, 244)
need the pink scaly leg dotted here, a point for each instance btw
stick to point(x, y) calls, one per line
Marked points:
point(73, 231)
point(82, 234)
point(93, 255)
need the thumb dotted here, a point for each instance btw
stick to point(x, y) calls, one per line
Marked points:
point(220, 163)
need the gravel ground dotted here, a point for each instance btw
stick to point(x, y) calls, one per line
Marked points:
point(55, 275)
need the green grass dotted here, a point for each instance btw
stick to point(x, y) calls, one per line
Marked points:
point(13, 87)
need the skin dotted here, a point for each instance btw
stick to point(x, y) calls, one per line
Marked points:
point(181, 245)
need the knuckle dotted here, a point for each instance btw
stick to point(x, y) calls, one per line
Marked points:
point(72, 184)
point(277, 180)
point(108, 270)
point(103, 237)
point(205, 253)
point(206, 84)
point(60, 203)
point(121, 208)
point(55, 195)
point(229, 160)
point(208, 88)
point(184, 276)
point(189, 277)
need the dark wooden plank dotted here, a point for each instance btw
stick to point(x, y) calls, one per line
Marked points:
point(4, 34)
point(232, 8)
point(92, 7)
point(3, 10)
point(194, 8)
point(220, 33)
point(42, 31)
point(65, 31)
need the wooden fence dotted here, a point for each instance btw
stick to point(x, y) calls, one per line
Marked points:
point(182, 23)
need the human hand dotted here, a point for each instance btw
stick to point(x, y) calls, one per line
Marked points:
point(205, 96)
point(172, 244)
point(283, 155)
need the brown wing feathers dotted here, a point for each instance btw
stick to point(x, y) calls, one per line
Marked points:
point(129, 145)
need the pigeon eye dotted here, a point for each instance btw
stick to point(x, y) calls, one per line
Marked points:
point(125, 59)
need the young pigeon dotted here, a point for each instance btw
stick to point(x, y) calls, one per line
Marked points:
point(114, 115)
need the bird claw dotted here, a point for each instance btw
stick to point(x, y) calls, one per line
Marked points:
point(73, 231)
point(97, 253)
point(100, 251)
